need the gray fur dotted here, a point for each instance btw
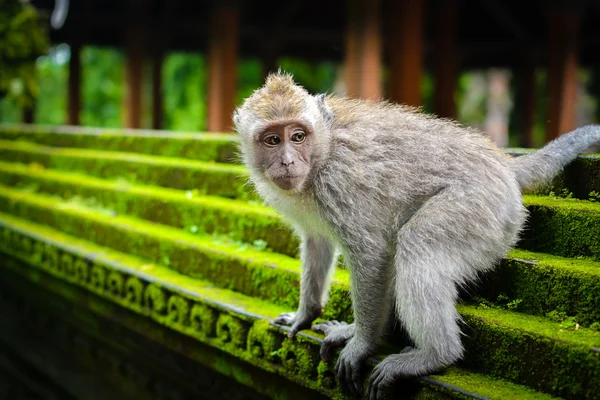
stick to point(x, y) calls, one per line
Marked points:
point(540, 167)
point(417, 205)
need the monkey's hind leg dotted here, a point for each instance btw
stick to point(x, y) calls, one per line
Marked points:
point(432, 258)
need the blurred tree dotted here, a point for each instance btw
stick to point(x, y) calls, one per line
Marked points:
point(23, 38)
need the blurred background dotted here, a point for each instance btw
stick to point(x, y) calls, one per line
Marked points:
point(524, 72)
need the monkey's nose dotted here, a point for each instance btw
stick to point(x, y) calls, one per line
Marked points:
point(286, 163)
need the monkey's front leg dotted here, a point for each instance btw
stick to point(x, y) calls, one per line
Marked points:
point(370, 298)
point(317, 265)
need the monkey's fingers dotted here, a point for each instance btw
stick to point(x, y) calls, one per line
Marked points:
point(298, 326)
point(349, 377)
point(327, 326)
point(285, 318)
point(328, 344)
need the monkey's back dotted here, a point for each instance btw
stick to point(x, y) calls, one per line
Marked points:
point(386, 161)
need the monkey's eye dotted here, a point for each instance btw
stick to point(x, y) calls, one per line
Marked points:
point(272, 140)
point(298, 137)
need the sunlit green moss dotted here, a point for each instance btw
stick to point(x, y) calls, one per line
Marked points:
point(240, 221)
point(200, 176)
point(197, 146)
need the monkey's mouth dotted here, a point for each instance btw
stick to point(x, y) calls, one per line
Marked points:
point(287, 182)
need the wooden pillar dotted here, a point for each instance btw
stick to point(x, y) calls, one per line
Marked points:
point(74, 89)
point(157, 93)
point(445, 58)
point(363, 49)
point(134, 69)
point(222, 67)
point(405, 49)
point(527, 102)
point(563, 45)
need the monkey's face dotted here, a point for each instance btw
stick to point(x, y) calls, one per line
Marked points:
point(283, 154)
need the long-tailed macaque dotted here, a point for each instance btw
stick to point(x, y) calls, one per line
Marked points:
point(417, 205)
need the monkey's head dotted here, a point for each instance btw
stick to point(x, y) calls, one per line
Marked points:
point(284, 133)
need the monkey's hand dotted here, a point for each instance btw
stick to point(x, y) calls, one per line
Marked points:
point(297, 320)
point(336, 333)
point(349, 365)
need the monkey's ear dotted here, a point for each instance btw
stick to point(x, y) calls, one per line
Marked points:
point(324, 108)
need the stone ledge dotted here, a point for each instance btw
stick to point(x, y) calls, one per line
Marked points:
point(548, 345)
point(219, 318)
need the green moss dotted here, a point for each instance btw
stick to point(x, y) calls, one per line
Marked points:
point(487, 386)
point(568, 285)
point(238, 220)
point(298, 358)
point(568, 228)
point(197, 176)
point(265, 275)
point(198, 146)
point(532, 351)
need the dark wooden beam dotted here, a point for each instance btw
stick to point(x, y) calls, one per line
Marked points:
point(157, 90)
point(74, 88)
point(445, 58)
point(527, 101)
point(363, 49)
point(405, 51)
point(222, 67)
point(29, 115)
point(563, 39)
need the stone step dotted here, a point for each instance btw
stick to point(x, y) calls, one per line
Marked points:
point(554, 351)
point(235, 220)
point(573, 286)
point(218, 147)
point(200, 177)
point(581, 178)
point(229, 321)
point(563, 227)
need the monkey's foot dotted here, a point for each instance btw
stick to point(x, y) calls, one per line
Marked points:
point(298, 321)
point(349, 365)
point(387, 372)
point(336, 333)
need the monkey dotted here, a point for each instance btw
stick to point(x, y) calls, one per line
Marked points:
point(417, 205)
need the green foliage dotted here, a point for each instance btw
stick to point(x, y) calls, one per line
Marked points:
point(185, 87)
point(315, 77)
point(102, 87)
point(52, 70)
point(23, 38)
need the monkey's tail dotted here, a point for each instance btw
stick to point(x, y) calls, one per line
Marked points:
point(538, 168)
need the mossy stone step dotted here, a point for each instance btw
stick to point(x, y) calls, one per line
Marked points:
point(179, 173)
point(237, 220)
point(572, 286)
point(276, 278)
point(568, 228)
point(538, 284)
point(229, 321)
point(218, 147)
point(581, 178)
